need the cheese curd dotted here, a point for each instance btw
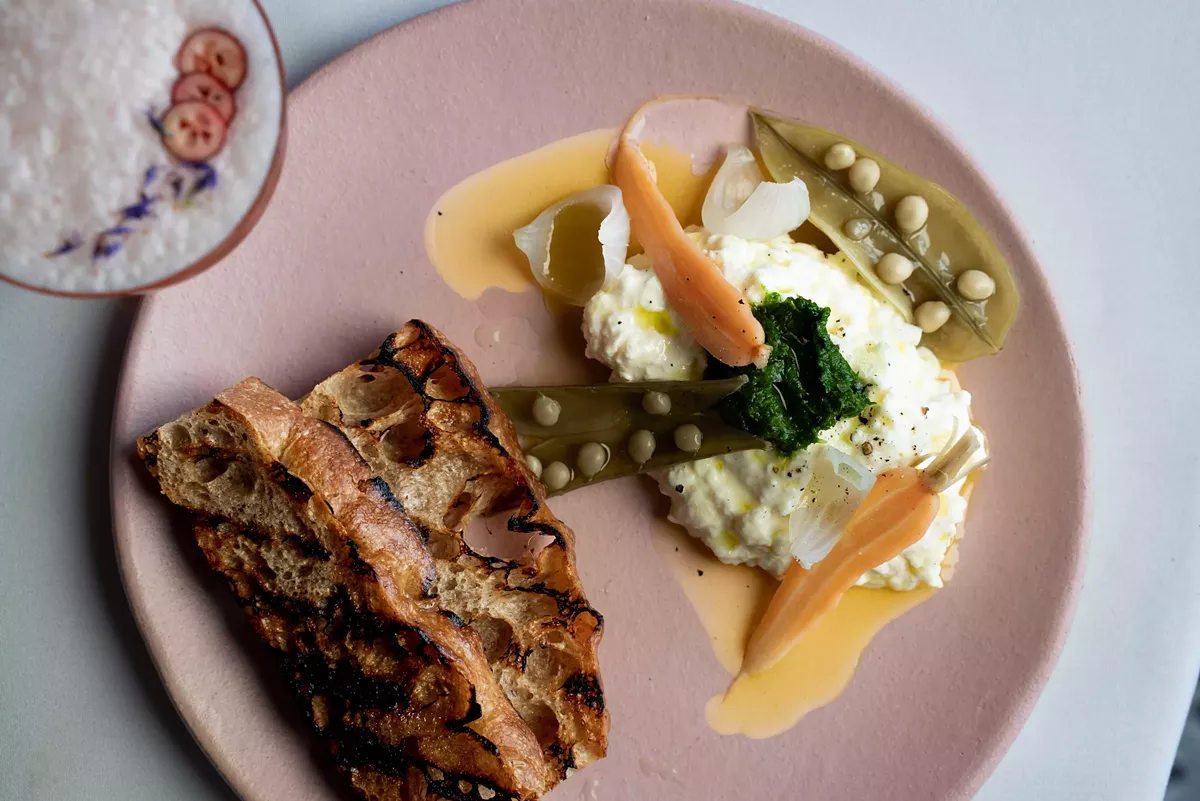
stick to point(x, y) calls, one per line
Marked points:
point(740, 504)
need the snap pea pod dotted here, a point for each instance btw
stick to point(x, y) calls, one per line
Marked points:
point(949, 242)
point(598, 407)
point(610, 414)
point(717, 439)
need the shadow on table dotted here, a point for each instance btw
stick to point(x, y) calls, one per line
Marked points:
point(1184, 783)
point(98, 503)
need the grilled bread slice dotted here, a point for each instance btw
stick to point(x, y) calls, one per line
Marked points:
point(418, 413)
point(335, 576)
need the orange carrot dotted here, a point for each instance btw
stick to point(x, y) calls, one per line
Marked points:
point(894, 515)
point(714, 312)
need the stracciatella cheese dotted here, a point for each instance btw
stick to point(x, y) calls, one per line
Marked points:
point(740, 504)
point(628, 327)
point(78, 79)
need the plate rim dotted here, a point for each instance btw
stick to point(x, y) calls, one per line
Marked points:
point(990, 750)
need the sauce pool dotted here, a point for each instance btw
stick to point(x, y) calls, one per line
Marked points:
point(468, 234)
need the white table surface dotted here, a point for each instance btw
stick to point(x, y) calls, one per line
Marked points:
point(1084, 114)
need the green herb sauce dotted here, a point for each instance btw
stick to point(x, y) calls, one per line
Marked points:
point(806, 387)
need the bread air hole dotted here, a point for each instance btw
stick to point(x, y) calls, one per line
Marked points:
point(491, 536)
point(232, 478)
point(540, 718)
point(239, 478)
point(446, 384)
point(209, 470)
point(550, 667)
point(372, 392)
point(404, 441)
point(495, 634)
point(216, 436)
point(177, 436)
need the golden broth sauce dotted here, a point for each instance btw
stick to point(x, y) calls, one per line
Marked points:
point(468, 237)
point(730, 599)
point(468, 234)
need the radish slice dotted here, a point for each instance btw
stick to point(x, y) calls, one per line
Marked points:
point(193, 131)
point(837, 485)
point(217, 52)
point(740, 203)
point(204, 87)
point(582, 268)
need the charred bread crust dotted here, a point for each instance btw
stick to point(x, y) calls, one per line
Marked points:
point(420, 415)
point(335, 577)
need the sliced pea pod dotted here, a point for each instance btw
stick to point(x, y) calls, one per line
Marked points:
point(610, 414)
point(861, 225)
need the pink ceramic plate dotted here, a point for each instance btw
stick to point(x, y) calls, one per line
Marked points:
point(338, 261)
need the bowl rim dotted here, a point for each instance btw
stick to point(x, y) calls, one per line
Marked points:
point(240, 231)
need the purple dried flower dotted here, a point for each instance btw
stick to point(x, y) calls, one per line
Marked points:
point(204, 177)
point(105, 248)
point(208, 179)
point(110, 241)
point(155, 122)
point(190, 178)
point(143, 208)
point(73, 242)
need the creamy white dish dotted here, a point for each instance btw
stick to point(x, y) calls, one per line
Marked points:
point(740, 505)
